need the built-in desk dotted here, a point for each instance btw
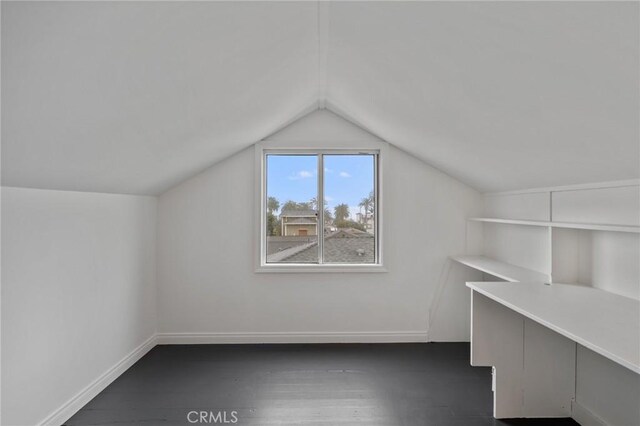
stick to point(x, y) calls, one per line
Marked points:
point(528, 333)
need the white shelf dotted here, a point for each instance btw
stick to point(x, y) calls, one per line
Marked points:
point(604, 322)
point(590, 226)
point(501, 270)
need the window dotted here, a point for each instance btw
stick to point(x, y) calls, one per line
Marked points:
point(319, 210)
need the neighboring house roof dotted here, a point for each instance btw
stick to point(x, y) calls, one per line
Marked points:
point(343, 246)
point(277, 244)
point(289, 254)
point(349, 233)
point(298, 213)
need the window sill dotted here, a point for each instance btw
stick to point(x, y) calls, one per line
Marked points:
point(314, 269)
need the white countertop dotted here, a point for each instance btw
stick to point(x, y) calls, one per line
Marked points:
point(604, 322)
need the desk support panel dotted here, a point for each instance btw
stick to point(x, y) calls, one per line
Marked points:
point(534, 367)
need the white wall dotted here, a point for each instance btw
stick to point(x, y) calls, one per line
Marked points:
point(78, 277)
point(206, 279)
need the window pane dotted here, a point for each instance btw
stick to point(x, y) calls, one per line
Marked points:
point(349, 194)
point(292, 220)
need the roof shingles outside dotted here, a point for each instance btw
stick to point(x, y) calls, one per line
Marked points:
point(344, 246)
point(280, 243)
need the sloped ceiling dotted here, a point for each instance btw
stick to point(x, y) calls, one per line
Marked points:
point(502, 95)
point(135, 97)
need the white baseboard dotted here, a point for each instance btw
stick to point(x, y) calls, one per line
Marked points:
point(579, 413)
point(78, 401)
point(292, 337)
point(584, 416)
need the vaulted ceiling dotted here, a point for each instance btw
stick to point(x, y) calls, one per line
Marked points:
point(135, 97)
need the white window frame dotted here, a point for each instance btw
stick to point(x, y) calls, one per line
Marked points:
point(262, 149)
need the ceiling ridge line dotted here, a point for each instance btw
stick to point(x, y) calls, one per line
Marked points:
point(323, 46)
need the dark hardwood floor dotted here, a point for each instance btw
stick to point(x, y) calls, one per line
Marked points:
point(348, 384)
